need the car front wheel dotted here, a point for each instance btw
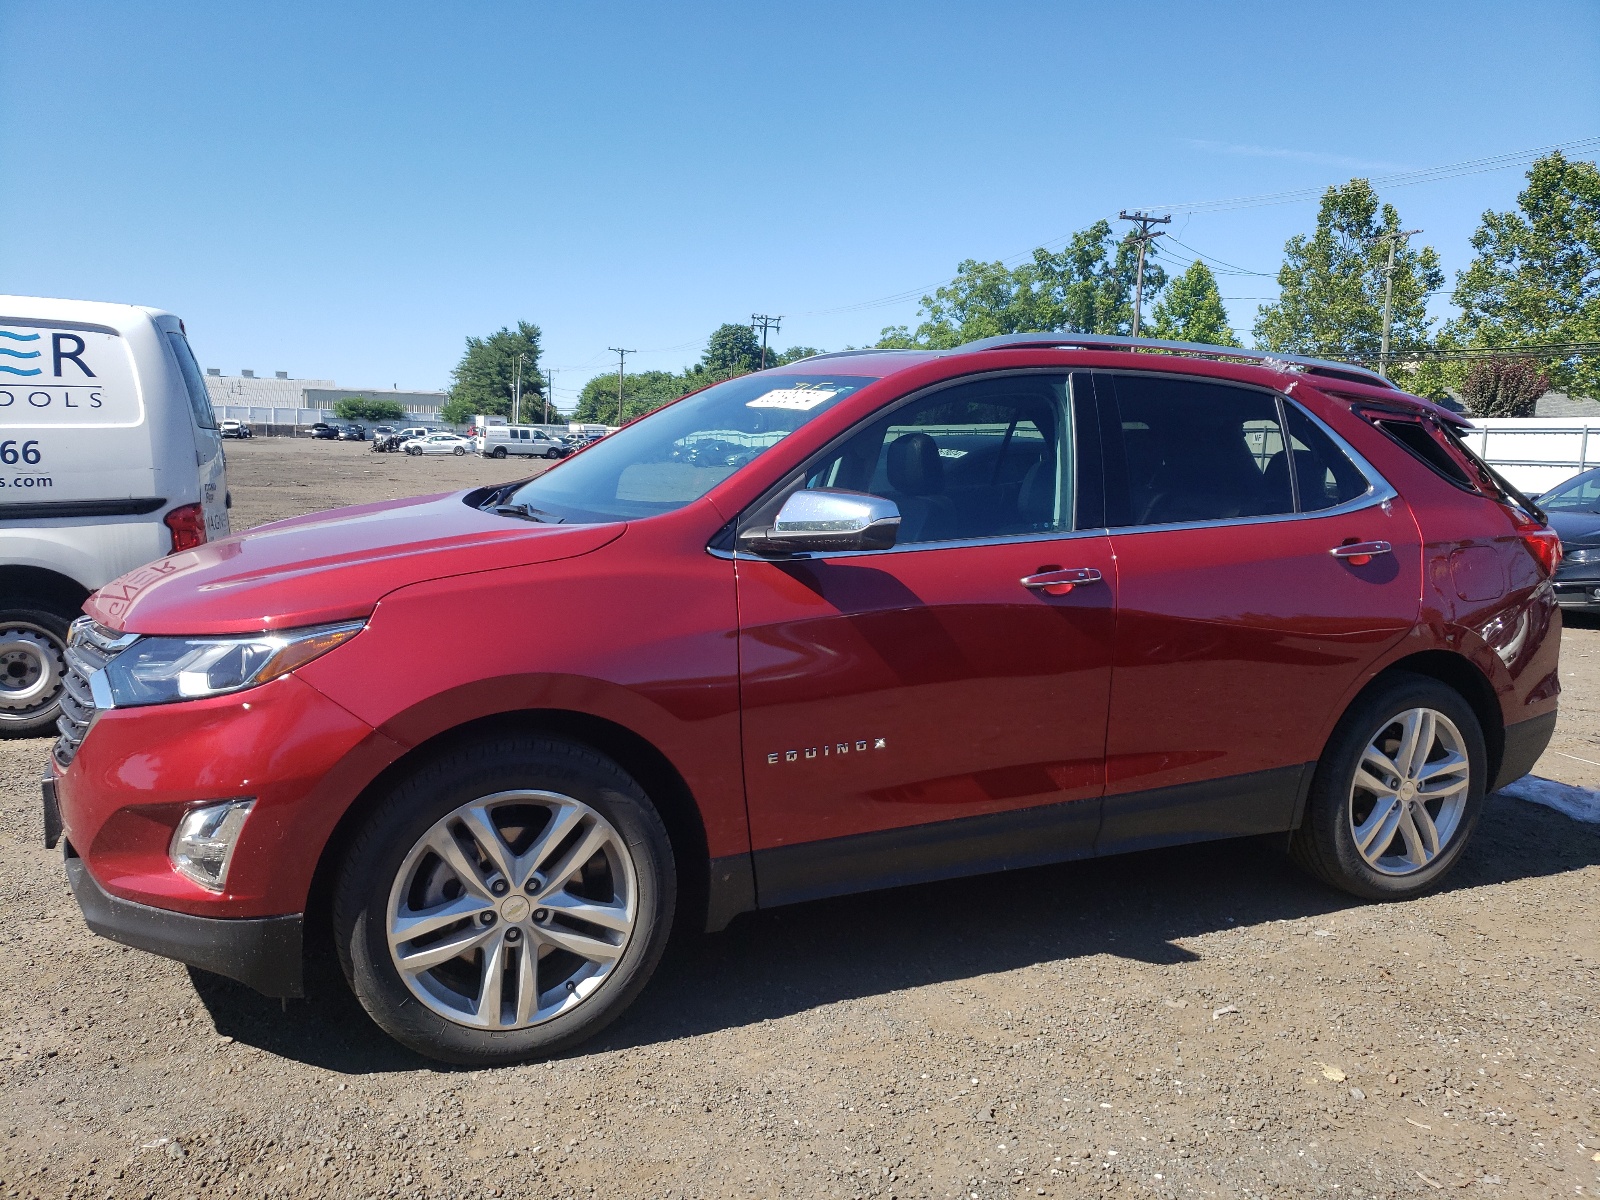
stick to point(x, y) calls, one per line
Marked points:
point(506, 902)
point(1397, 792)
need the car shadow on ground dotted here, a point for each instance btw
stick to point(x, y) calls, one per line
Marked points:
point(773, 964)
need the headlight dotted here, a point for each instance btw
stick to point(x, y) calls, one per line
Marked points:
point(160, 670)
point(202, 845)
point(1582, 556)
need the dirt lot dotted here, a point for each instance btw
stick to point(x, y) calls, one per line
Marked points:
point(1195, 1022)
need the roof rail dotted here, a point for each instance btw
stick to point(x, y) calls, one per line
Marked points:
point(1102, 341)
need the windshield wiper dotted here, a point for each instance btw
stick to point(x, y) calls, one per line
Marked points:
point(528, 513)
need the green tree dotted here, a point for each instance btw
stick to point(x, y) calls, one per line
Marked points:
point(484, 376)
point(731, 350)
point(642, 392)
point(1535, 279)
point(360, 408)
point(793, 354)
point(1086, 287)
point(1191, 310)
point(1330, 302)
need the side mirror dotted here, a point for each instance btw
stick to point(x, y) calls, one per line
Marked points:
point(820, 520)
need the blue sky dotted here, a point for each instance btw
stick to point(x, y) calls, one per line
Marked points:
point(348, 190)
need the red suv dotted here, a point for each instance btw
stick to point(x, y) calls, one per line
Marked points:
point(864, 620)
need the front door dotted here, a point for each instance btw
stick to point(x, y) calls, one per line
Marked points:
point(1240, 634)
point(921, 712)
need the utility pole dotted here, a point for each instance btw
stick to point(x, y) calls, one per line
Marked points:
point(765, 323)
point(516, 387)
point(549, 394)
point(622, 358)
point(1388, 294)
point(1144, 238)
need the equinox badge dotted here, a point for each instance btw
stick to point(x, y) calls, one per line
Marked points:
point(834, 750)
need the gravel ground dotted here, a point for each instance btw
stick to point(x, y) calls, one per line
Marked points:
point(1192, 1022)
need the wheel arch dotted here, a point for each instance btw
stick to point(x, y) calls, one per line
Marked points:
point(24, 584)
point(1464, 677)
point(655, 773)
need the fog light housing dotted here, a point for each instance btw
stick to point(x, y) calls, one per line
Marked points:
point(202, 845)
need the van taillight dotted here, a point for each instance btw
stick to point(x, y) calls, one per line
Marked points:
point(1543, 543)
point(188, 525)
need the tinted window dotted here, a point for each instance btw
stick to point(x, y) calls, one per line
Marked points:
point(1199, 451)
point(1582, 495)
point(985, 459)
point(1323, 473)
point(679, 453)
point(194, 383)
point(1416, 439)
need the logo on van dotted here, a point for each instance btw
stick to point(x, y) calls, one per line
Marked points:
point(64, 348)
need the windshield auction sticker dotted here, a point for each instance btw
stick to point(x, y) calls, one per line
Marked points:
point(796, 399)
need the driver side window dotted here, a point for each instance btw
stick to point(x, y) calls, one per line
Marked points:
point(985, 459)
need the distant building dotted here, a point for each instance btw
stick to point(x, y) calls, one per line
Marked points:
point(282, 404)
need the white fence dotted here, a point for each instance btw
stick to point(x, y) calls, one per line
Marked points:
point(1536, 453)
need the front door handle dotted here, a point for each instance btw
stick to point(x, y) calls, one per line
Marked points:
point(1359, 554)
point(1059, 583)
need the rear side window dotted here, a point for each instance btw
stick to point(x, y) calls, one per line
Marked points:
point(193, 381)
point(1415, 438)
point(1323, 473)
point(1199, 451)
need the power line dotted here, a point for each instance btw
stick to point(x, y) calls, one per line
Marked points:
point(1144, 237)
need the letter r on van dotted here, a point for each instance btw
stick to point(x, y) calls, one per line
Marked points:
point(58, 349)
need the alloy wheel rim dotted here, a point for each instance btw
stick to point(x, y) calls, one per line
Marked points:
point(32, 662)
point(1410, 792)
point(513, 909)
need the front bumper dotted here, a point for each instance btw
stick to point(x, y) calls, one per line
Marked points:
point(261, 952)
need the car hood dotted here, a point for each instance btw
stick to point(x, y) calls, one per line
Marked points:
point(330, 566)
point(1576, 528)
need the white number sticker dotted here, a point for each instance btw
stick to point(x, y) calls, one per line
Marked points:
point(795, 399)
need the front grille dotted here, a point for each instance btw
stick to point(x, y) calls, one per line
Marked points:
point(90, 647)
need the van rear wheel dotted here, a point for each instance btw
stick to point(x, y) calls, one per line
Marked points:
point(33, 647)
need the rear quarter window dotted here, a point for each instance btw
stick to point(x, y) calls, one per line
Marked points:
point(194, 383)
point(1420, 441)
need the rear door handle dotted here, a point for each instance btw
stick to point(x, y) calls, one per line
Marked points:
point(1359, 554)
point(1059, 583)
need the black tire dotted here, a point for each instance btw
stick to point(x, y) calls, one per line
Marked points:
point(499, 452)
point(459, 450)
point(32, 653)
point(379, 852)
point(1325, 843)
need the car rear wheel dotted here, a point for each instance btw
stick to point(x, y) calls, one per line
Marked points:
point(33, 647)
point(1397, 792)
point(505, 902)
point(459, 450)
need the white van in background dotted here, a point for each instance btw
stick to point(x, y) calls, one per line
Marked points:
point(110, 458)
point(497, 441)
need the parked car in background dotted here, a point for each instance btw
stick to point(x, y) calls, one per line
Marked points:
point(234, 429)
point(325, 432)
point(438, 443)
point(1573, 508)
point(414, 431)
point(352, 432)
point(110, 457)
point(497, 441)
point(383, 438)
point(1034, 599)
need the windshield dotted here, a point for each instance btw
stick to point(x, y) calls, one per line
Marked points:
point(1580, 495)
point(679, 453)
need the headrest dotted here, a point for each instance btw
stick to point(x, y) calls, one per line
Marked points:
point(915, 468)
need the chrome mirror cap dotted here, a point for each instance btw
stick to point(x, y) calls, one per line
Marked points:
point(818, 520)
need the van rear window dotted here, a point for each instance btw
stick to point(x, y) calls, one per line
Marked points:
point(193, 381)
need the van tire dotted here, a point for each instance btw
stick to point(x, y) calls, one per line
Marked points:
point(33, 645)
point(499, 452)
point(390, 853)
point(1326, 844)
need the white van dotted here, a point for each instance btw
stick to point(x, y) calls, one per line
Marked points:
point(110, 458)
point(497, 441)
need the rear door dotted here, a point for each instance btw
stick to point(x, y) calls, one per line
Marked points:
point(922, 712)
point(1240, 631)
point(211, 467)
